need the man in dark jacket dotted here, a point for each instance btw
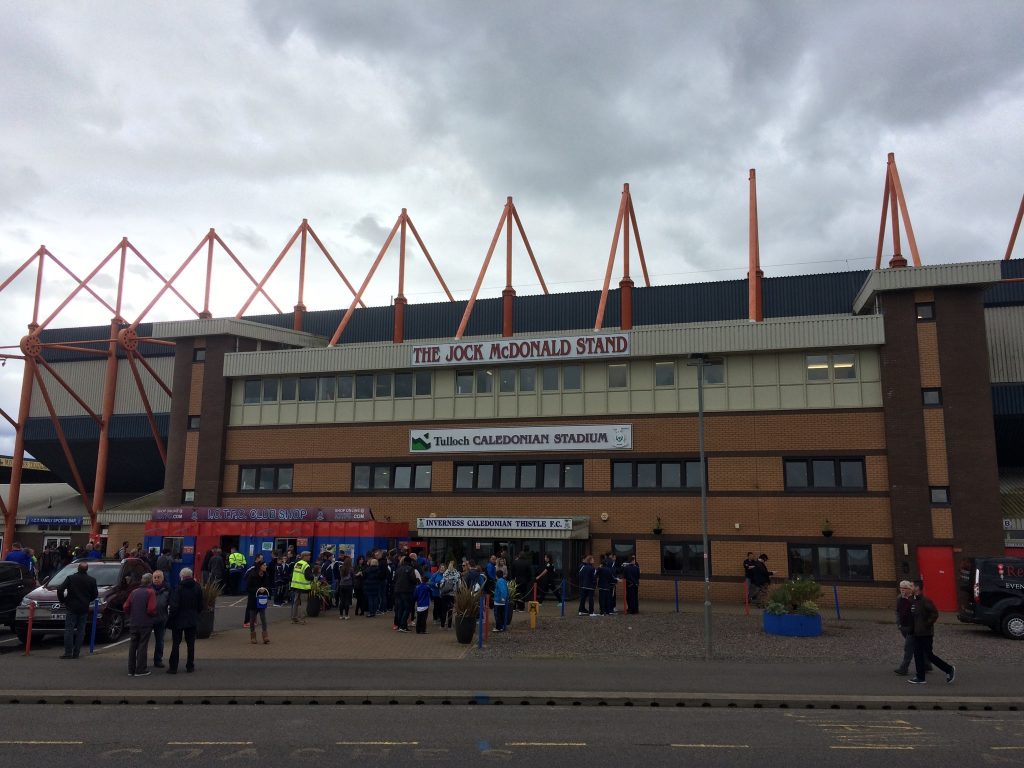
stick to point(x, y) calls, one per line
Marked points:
point(522, 575)
point(185, 606)
point(631, 573)
point(76, 593)
point(218, 569)
point(139, 609)
point(588, 580)
point(406, 579)
point(924, 615)
point(163, 603)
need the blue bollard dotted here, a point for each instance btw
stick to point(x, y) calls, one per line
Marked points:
point(835, 593)
point(480, 639)
point(677, 595)
point(563, 597)
point(95, 618)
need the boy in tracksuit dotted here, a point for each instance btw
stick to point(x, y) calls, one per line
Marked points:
point(421, 595)
point(500, 599)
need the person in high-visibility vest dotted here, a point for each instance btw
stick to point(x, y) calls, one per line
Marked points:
point(236, 567)
point(301, 579)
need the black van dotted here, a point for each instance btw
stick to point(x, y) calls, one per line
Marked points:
point(992, 593)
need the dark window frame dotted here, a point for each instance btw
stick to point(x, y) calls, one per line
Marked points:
point(937, 391)
point(199, 355)
point(252, 392)
point(193, 423)
point(944, 490)
point(538, 487)
point(815, 573)
point(924, 311)
point(392, 467)
point(185, 493)
point(659, 487)
point(808, 462)
point(259, 469)
point(694, 554)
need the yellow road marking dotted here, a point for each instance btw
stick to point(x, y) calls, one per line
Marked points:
point(711, 746)
point(545, 744)
point(871, 746)
point(208, 743)
point(44, 743)
point(376, 743)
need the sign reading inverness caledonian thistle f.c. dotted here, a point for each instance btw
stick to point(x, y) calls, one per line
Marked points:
point(570, 437)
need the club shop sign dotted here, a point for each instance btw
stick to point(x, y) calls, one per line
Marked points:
point(523, 350)
point(573, 437)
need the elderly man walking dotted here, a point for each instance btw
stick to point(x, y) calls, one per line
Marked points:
point(140, 608)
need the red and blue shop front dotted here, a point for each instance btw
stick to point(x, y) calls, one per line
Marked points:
point(190, 532)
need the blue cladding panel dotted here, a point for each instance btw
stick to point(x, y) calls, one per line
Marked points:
point(122, 427)
point(1008, 399)
point(91, 332)
point(795, 295)
point(1007, 293)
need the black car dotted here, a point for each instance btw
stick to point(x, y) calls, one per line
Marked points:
point(114, 581)
point(992, 593)
point(14, 585)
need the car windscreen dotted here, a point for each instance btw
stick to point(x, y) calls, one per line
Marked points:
point(104, 573)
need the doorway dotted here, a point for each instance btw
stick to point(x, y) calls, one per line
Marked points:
point(935, 564)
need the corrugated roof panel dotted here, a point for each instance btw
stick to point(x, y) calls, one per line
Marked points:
point(1004, 328)
point(824, 294)
point(1003, 294)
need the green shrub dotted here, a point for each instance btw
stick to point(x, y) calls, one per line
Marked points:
point(797, 596)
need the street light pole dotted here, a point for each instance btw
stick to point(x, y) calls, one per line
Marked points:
point(704, 507)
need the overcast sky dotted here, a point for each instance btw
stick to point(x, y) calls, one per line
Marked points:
point(157, 121)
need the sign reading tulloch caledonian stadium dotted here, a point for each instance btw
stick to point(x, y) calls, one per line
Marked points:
point(572, 437)
point(520, 350)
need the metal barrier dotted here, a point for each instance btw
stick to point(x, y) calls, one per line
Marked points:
point(31, 617)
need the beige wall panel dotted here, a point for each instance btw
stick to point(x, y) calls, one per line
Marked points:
point(942, 523)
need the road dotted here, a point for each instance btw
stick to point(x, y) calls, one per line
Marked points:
point(214, 735)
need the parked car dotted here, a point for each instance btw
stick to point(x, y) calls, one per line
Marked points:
point(114, 581)
point(14, 585)
point(992, 593)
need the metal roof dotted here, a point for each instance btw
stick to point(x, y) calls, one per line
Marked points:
point(932, 276)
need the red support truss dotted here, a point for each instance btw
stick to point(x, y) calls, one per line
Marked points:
point(624, 222)
point(894, 201)
point(1016, 229)
point(755, 303)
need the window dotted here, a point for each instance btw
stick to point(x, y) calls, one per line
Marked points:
point(193, 422)
point(623, 550)
point(383, 386)
point(939, 494)
point(656, 475)
point(252, 391)
point(572, 377)
point(424, 381)
point(345, 387)
point(270, 390)
point(174, 544)
point(925, 311)
point(931, 397)
point(484, 381)
point(665, 374)
point(682, 557)
point(289, 387)
point(403, 384)
point(463, 382)
point(831, 562)
point(327, 387)
point(844, 366)
point(391, 477)
point(824, 473)
point(265, 478)
point(714, 372)
point(307, 389)
point(527, 379)
point(486, 476)
point(618, 377)
point(817, 367)
point(507, 380)
point(199, 355)
point(364, 386)
point(188, 497)
point(549, 378)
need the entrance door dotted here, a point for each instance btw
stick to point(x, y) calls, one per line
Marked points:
point(935, 564)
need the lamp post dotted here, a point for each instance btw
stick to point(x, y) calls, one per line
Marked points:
point(700, 360)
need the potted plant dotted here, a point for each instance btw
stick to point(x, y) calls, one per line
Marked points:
point(792, 609)
point(465, 612)
point(318, 598)
point(211, 591)
point(657, 526)
point(826, 528)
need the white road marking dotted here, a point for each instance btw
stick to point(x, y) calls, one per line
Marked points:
point(711, 746)
point(376, 743)
point(208, 743)
point(545, 743)
point(42, 743)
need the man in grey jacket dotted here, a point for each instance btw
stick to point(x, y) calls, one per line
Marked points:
point(140, 609)
point(163, 596)
point(76, 593)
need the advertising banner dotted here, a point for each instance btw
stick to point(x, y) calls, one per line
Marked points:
point(570, 437)
point(244, 515)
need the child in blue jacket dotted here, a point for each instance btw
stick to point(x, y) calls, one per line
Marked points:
point(500, 598)
point(422, 598)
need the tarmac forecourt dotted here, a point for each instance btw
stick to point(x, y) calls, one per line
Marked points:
point(364, 662)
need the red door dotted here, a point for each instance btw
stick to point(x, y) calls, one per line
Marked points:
point(935, 564)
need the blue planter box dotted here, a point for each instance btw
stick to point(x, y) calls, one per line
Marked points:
point(792, 625)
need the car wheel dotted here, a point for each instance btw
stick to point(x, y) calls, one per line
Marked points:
point(1013, 625)
point(116, 627)
point(22, 634)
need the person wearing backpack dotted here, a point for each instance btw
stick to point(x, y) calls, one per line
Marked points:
point(344, 583)
point(449, 584)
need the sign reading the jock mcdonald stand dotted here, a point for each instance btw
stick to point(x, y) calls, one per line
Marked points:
point(522, 350)
point(571, 437)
